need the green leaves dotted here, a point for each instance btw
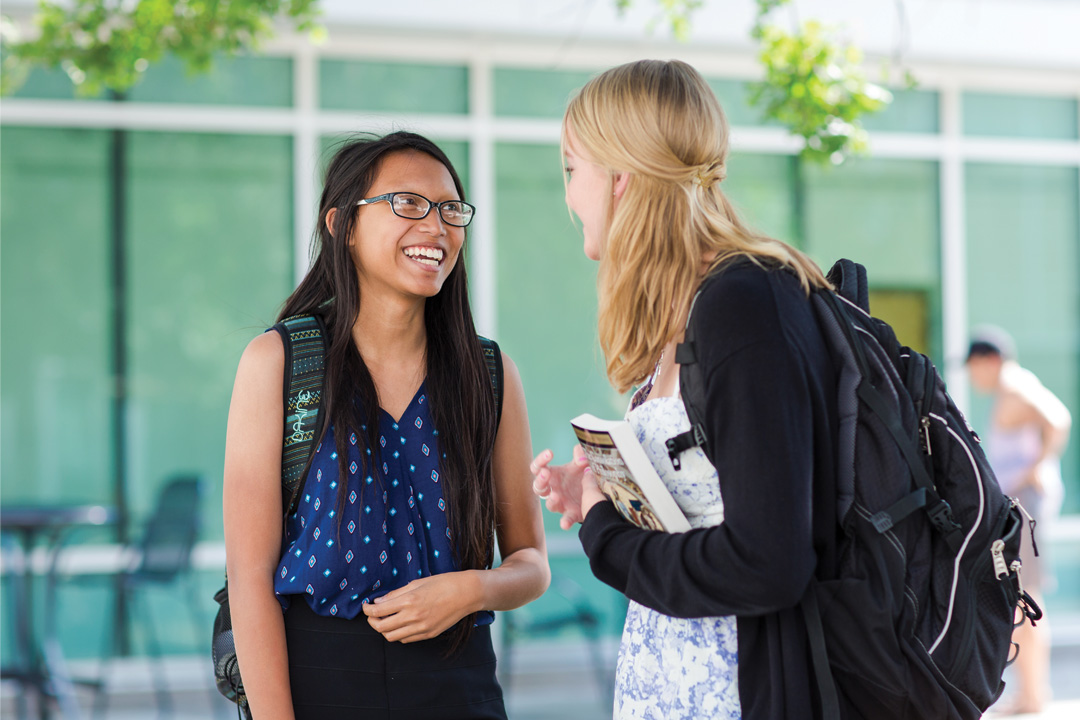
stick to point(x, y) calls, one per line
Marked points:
point(815, 87)
point(111, 43)
point(676, 12)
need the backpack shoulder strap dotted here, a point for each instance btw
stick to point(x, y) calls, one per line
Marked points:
point(691, 388)
point(304, 338)
point(493, 361)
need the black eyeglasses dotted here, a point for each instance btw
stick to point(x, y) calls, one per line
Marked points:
point(415, 207)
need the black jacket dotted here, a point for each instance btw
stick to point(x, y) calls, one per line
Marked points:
point(771, 433)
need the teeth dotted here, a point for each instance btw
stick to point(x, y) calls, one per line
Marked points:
point(425, 255)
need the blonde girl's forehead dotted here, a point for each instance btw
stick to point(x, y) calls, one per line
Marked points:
point(569, 140)
point(571, 149)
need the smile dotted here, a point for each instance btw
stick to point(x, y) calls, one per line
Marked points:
point(428, 256)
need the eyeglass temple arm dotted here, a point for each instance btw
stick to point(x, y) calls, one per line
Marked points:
point(371, 201)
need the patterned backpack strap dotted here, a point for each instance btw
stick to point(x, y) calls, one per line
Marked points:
point(493, 360)
point(304, 337)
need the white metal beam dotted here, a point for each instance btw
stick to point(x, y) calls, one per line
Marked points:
point(305, 157)
point(954, 292)
point(482, 259)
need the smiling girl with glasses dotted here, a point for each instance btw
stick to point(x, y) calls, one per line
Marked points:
point(376, 599)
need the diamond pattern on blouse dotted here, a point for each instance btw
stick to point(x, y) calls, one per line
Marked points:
point(415, 533)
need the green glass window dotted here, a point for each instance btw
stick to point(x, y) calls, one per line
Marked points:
point(56, 390)
point(458, 153)
point(209, 263)
point(1020, 116)
point(241, 80)
point(547, 323)
point(734, 98)
point(208, 252)
point(1066, 557)
point(763, 190)
point(524, 92)
point(913, 111)
point(883, 214)
point(45, 84)
point(537, 243)
point(1023, 258)
point(393, 87)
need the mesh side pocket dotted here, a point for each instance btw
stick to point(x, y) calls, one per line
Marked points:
point(995, 601)
point(226, 668)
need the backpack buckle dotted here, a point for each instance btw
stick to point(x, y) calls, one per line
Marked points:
point(882, 521)
point(941, 518)
point(694, 437)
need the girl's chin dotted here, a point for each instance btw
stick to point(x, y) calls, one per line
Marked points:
point(592, 251)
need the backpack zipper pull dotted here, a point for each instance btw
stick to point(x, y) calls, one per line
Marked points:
point(997, 551)
point(1016, 565)
point(1031, 524)
point(925, 422)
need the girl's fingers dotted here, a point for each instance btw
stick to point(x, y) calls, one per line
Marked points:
point(540, 461)
point(378, 610)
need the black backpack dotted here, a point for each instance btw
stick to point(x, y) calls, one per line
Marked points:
point(304, 338)
point(917, 622)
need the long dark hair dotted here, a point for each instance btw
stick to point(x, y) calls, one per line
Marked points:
point(458, 384)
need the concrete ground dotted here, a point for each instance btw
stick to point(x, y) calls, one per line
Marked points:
point(549, 680)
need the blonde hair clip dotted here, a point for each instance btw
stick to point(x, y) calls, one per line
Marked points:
point(706, 175)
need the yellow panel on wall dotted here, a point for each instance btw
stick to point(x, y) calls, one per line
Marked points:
point(906, 311)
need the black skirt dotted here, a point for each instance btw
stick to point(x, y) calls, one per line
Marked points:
point(342, 669)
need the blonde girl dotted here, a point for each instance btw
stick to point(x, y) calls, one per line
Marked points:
point(713, 628)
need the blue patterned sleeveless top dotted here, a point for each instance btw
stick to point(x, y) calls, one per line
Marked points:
point(393, 528)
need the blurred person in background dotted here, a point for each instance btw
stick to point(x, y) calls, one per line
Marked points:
point(1029, 428)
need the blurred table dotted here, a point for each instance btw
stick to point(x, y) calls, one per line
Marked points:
point(40, 664)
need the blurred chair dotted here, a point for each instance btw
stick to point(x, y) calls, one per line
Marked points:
point(580, 614)
point(161, 557)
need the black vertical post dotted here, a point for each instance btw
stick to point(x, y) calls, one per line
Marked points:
point(118, 221)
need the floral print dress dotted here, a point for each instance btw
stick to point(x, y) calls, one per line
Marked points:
point(671, 668)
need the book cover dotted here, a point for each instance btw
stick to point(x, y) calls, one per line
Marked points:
point(625, 474)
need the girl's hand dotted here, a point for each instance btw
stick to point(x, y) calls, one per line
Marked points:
point(424, 608)
point(568, 489)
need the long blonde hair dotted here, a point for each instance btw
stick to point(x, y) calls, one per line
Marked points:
point(661, 123)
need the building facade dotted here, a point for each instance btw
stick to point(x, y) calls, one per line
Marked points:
point(146, 240)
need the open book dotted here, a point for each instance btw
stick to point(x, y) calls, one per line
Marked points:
point(625, 474)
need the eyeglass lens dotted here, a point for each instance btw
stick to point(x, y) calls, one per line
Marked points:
point(412, 206)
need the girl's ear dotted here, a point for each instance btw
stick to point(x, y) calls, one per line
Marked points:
point(622, 179)
point(330, 215)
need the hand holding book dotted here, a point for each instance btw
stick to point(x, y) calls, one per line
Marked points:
point(626, 476)
point(609, 463)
